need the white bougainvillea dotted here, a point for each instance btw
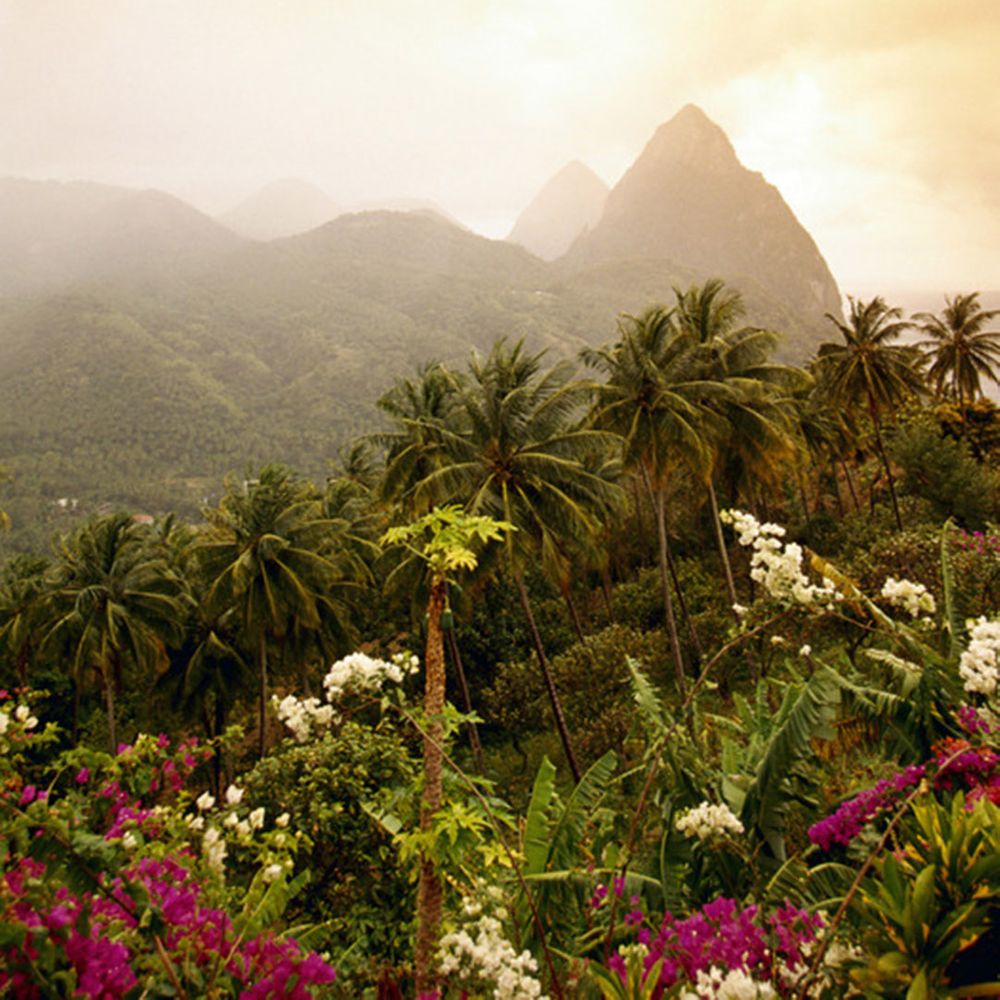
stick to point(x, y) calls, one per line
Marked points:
point(913, 598)
point(978, 664)
point(709, 821)
point(359, 672)
point(354, 674)
point(734, 984)
point(482, 957)
point(777, 566)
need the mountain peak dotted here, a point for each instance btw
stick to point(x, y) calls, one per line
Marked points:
point(691, 137)
point(283, 207)
point(570, 202)
point(687, 198)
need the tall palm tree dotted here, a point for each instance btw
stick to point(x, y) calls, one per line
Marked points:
point(751, 394)
point(113, 605)
point(869, 368)
point(22, 586)
point(267, 552)
point(960, 350)
point(419, 407)
point(518, 455)
point(653, 398)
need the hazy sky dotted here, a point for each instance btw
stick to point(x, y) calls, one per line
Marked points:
point(879, 120)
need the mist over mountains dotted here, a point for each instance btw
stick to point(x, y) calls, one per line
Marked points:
point(147, 348)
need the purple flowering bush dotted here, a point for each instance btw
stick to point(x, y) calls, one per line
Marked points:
point(673, 955)
point(117, 881)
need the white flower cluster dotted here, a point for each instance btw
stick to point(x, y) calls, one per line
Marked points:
point(732, 985)
point(488, 959)
point(978, 665)
point(708, 821)
point(913, 598)
point(303, 716)
point(359, 672)
point(778, 567)
point(213, 846)
point(22, 714)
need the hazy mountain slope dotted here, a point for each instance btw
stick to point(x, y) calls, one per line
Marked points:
point(57, 235)
point(281, 208)
point(687, 198)
point(570, 202)
point(144, 394)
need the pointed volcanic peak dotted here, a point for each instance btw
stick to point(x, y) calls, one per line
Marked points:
point(688, 199)
point(567, 205)
point(282, 208)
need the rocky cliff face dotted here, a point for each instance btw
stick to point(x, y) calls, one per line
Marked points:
point(688, 199)
point(570, 202)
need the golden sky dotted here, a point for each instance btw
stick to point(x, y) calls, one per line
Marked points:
point(879, 120)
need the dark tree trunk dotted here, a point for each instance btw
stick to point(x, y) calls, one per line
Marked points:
point(877, 424)
point(550, 685)
point(850, 486)
point(262, 704)
point(109, 702)
point(430, 891)
point(682, 604)
point(456, 659)
point(659, 508)
point(720, 540)
point(606, 594)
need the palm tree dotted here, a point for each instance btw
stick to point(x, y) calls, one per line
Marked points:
point(869, 368)
point(960, 350)
point(750, 393)
point(22, 585)
point(112, 604)
point(517, 455)
point(268, 556)
point(653, 398)
point(418, 407)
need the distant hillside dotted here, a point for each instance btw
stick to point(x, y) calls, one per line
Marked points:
point(146, 349)
point(281, 208)
point(144, 394)
point(569, 203)
point(55, 235)
point(688, 199)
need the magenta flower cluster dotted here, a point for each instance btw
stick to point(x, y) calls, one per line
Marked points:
point(83, 927)
point(956, 764)
point(724, 935)
point(977, 541)
point(852, 816)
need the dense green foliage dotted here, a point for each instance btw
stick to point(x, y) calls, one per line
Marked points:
point(748, 717)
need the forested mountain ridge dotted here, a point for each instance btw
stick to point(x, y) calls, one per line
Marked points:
point(146, 349)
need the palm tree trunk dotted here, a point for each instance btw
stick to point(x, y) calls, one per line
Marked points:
point(721, 542)
point(802, 491)
point(456, 659)
point(850, 485)
point(109, 702)
point(430, 892)
point(659, 508)
point(262, 704)
point(877, 423)
point(550, 685)
point(574, 615)
point(640, 522)
point(606, 594)
point(682, 604)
